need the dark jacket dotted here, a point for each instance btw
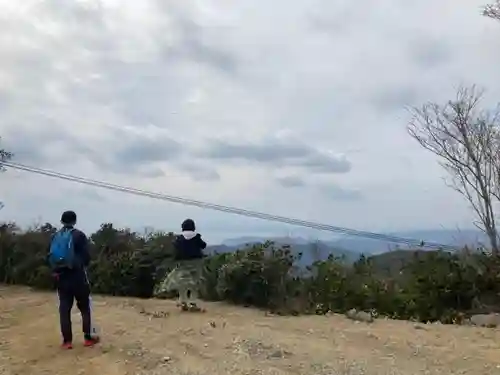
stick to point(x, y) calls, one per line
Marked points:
point(82, 256)
point(189, 246)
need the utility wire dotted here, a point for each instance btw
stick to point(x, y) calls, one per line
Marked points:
point(233, 210)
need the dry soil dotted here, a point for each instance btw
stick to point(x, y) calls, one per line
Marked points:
point(154, 337)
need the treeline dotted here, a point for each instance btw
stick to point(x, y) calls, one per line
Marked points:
point(430, 286)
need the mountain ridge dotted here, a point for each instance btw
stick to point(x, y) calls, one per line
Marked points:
point(351, 247)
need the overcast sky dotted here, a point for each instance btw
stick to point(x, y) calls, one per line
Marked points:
point(295, 108)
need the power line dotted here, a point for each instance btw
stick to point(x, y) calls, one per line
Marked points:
point(228, 209)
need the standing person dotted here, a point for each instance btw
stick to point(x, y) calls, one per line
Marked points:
point(186, 276)
point(68, 257)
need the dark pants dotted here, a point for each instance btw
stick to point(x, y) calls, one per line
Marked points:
point(71, 287)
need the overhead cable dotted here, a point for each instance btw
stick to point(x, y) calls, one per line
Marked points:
point(227, 209)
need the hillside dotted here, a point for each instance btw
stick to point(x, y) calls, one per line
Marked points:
point(230, 340)
point(310, 251)
point(392, 262)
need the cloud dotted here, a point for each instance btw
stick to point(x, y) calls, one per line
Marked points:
point(227, 105)
point(430, 53)
point(121, 150)
point(146, 150)
point(26, 148)
point(291, 181)
point(88, 193)
point(200, 172)
point(276, 152)
point(194, 46)
point(395, 99)
point(332, 191)
point(337, 193)
point(137, 151)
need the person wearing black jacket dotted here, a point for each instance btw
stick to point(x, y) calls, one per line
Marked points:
point(73, 284)
point(186, 276)
point(189, 245)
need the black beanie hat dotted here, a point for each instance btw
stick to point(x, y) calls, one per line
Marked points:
point(68, 217)
point(188, 225)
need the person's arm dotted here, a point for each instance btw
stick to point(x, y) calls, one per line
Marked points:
point(201, 243)
point(85, 250)
point(82, 248)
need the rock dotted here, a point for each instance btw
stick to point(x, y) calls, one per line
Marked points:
point(279, 354)
point(484, 320)
point(359, 316)
point(154, 314)
point(276, 354)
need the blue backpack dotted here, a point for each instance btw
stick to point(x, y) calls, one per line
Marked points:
point(62, 252)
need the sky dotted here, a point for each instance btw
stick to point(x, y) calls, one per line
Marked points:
point(297, 109)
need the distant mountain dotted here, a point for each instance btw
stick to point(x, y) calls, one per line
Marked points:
point(456, 238)
point(351, 247)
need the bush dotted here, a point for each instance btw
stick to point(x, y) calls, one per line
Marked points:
point(258, 276)
point(424, 286)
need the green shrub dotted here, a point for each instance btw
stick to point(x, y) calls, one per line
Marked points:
point(257, 276)
point(424, 286)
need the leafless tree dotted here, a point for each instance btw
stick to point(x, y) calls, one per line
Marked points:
point(467, 143)
point(4, 156)
point(493, 10)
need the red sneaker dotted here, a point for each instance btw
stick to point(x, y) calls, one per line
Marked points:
point(67, 345)
point(91, 342)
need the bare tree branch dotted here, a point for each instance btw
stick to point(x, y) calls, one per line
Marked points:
point(467, 142)
point(492, 10)
point(4, 156)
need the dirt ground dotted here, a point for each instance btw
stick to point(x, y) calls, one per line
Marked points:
point(153, 337)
